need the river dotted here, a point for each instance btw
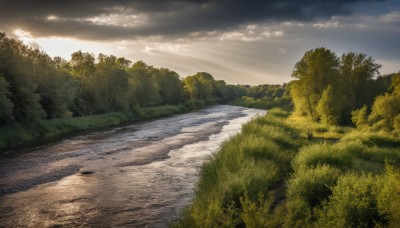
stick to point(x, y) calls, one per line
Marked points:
point(140, 175)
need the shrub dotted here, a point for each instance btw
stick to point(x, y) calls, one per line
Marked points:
point(352, 204)
point(258, 213)
point(373, 139)
point(312, 185)
point(306, 189)
point(389, 196)
point(319, 154)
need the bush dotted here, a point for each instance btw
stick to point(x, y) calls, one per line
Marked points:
point(352, 204)
point(306, 189)
point(312, 185)
point(319, 154)
point(389, 196)
point(373, 139)
point(258, 213)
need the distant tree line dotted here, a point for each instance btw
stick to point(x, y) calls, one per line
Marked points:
point(34, 86)
point(265, 96)
point(343, 90)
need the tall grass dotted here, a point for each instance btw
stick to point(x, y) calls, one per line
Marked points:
point(274, 175)
point(246, 167)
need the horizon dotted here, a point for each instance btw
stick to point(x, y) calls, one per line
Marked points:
point(251, 43)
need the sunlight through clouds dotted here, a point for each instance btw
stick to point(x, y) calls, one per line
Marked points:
point(241, 35)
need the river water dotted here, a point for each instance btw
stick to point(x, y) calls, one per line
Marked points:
point(140, 175)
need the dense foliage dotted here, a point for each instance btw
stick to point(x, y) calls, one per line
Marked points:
point(271, 175)
point(34, 86)
point(329, 89)
point(42, 97)
point(265, 96)
point(310, 168)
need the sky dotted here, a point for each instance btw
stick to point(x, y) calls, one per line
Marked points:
point(242, 42)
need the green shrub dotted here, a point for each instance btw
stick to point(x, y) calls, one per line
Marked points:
point(352, 204)
point(259, 148)
point(312, 185)
point(258, 213)
point(389, 196)
point(278, 112)
point(373, 139)
point(319, 154)
point(306, 189)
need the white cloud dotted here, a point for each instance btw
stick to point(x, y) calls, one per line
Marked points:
point(272, 34)
point(236, 35)
point(326, 25)
point(152, 48)
point(124, 20)
point(392, 16)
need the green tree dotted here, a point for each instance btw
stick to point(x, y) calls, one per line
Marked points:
point(170, 86)
point(360, 117)
point(200, 87)
point(328, 108)
point(112, 83)
point(357, 72)
point(18, 68)
point(314, 72)
point(6, 105)
point(83, 68)
point(384, 111)
point(144, 88)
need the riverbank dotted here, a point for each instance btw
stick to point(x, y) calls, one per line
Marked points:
point(20, 135)
point(285, 171)
point(138, 175)
point(263, 103)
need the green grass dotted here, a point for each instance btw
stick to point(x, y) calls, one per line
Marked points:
point(18, 134)
point(322, 154)
point(248, 165)
point(273, 174)
point(250, 102)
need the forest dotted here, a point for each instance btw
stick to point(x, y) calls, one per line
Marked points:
point(35, 86)
point(44, 97)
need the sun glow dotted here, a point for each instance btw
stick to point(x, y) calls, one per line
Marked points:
point(59, 46)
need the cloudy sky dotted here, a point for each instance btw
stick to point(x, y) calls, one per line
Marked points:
point(246, 42)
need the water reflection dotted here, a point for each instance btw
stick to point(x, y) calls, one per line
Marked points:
point(141, 177)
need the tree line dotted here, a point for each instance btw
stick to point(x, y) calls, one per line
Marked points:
point(345, 90)
point(34, 86)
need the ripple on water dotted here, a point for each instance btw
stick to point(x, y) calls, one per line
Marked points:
point(141, 175)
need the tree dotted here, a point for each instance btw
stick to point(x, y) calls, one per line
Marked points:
point(384, 111)
point(17, 67)
point(360, 117)
point(83, 68)
point(143, 85)
point(357, 72)
point(200, 87)
point(6, 106)
point(112, 83)
point(314, 72)
point(169, 84)
point(328, 108)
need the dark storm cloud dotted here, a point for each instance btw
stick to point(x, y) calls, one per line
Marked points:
point(156, 17)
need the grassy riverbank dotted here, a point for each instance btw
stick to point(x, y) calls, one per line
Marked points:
point(262, 103)
point(283, 171)
point(44, 130)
